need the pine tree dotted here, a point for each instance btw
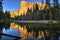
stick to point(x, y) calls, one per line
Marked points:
point(48, 2)
point(7, 15)
point(56, 4)
point(1, 9)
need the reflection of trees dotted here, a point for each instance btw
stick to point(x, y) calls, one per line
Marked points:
point(1, 27)
point(49, 30)
point(4, 25)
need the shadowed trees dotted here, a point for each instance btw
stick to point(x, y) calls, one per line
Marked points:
point(1, 9)
point(5, 15)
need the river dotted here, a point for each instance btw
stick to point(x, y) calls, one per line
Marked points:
point(31, 31)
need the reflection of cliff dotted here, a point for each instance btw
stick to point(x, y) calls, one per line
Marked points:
point(24, 32)
point(24, 7)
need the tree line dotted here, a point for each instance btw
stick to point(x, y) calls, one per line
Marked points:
point(5, 15)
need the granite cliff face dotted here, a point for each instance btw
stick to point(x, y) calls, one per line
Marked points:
point(24, 7)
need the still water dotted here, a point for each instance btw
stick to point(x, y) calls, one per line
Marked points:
point(30, 31)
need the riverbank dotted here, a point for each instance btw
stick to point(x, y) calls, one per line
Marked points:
point(37, 21)
point(31, 21)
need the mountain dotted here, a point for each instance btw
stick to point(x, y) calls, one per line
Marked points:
point(24, 7)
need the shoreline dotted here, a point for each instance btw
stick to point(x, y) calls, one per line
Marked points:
point(31, 21)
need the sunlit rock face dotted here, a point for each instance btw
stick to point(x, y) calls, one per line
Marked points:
point(24, 7)
point(14, 13)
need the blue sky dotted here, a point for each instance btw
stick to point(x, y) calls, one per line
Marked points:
point(11, 5)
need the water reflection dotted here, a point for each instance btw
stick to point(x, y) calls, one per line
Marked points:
point(5, 28)
point(10, 32)
point(40, 31)
point(35, 31)
point(4, 25)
